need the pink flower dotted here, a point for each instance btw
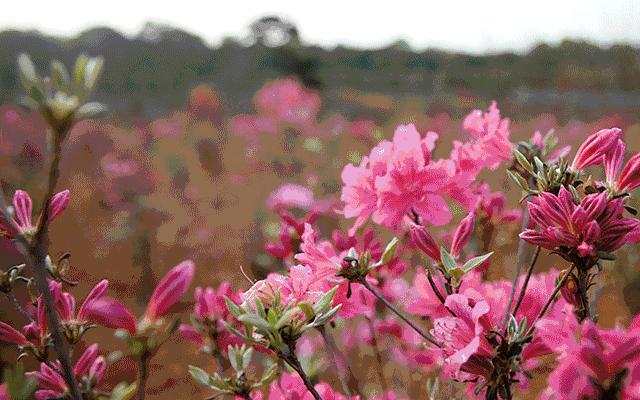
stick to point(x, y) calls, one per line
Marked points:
point(466, 350)
point(290, 195)
point(412, 183)
point(596, 363)
point(596, 224)
point(169, 290)
point(592, 150)
point(289, 101)
point(291, 387)
point(22, 208)
point(492, 145)
point(4, 392)
point(110, 313)
point(89, 367)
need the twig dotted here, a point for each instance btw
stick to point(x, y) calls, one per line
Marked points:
point(534, 259)
point(341, 363)
point(522, 246)
point(391, 307)
point(551, 298)
point(294, 363)
point(35, 253)
point(376, 349)
point(143, 375)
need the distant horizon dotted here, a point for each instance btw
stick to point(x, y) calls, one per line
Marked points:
point(138, 33)
point(493, 27)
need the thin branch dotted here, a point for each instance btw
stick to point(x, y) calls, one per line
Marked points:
point(294, 363)
point(391, 307)
point(341, 363)
point(534, 259)
point(143, 375)
point(522, 247)
point(376, 350)
point(551, 299)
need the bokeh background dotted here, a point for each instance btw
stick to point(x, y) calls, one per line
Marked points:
point(206, 126)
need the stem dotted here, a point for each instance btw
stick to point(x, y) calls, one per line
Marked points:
point(390, 306)
point(522, 247)
point(551, 298)
point(341, 363)
point(35, 253)
point(376, 348)
point(215, 351)
point(294, 363)
point(534, 259)
point(583, 311)
point(143, 375)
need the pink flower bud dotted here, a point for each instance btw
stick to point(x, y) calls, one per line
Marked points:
point(569, 289)
point(462, 235)
point(630, 176)
point(592, 150)
point(613, 160)
point(425, 242)
point(97, 370)
point(58, 204)
point(536, 238)
point(22, 209)
point(10, 335)
point(110, 313)
point(96, 293)
point(190, 334)
point(86, 360)
point(170, 289)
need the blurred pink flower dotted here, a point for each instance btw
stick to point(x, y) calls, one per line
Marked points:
point(169, 290)
point(290, 195)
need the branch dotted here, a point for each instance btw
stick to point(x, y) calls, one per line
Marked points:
point(522, 246)
point(391, 307)
point(526, 280)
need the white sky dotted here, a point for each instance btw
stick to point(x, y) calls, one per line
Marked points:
point(474, 25)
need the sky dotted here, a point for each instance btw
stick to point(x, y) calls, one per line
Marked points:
point(484, 26)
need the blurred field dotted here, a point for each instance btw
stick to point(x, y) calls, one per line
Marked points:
point(194, 184)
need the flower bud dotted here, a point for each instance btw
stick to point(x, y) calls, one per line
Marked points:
point(462, 235)
point(613, 160)
point(22, 208)
point(630, 176)
point(58, 204)
point(10, 335)
point(592, 150)
point(86, 360)
point(425, 242)
point(170, 289)
point(110, 313)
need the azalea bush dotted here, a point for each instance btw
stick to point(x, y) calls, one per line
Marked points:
point(407, 285)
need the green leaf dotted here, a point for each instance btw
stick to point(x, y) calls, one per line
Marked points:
point(123, 391)
point(27, 72)
point(199, 375)
point(92, 72)
point(447, 260)
point(389, 251)
point(255, 320)
point(307, 309)
point(519, 180)
point(269, 374)
point(323, 304)
point(59, 75)
point(474, 262)
point(233, 308)
point(246, 358)
point(522, 160)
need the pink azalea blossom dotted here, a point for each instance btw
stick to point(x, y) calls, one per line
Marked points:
point(492, 145)
point(596, 224)
point(291, 387)
point(11, 335)
point(51, 384)
point(466, 350)
point(595, 363)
